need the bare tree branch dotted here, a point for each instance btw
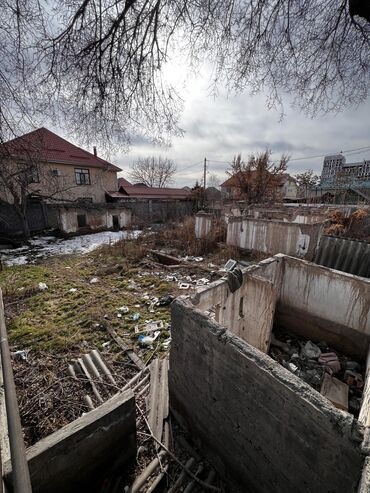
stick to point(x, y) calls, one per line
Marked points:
point(153, 171)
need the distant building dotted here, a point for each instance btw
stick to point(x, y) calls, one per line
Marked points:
point(288, 187)
point(337, 173)
point(122, 182)
point(230, 189)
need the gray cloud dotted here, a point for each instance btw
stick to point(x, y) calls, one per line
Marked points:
point(219, 128)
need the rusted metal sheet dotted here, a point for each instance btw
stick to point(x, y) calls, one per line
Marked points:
point(344, 254)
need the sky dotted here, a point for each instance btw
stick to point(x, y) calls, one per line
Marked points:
point(218, 128)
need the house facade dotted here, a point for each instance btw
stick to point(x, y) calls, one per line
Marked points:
point(48, 182)
point(56, 169)
point(288, 187)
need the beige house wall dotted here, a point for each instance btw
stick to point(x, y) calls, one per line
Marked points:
point(64, 186)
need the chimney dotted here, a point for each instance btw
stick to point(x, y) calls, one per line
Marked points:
point(95, 153)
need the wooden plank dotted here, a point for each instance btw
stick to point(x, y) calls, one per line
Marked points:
point(153, 393)
point(336, 391)
point(130, 353)
point(364, 416)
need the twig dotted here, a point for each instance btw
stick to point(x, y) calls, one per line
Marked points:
point(199, 481)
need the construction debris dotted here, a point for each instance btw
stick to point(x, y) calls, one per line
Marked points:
point(336, 391)
point(316, 364)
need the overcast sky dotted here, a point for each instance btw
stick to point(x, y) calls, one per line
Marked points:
point(218, 128)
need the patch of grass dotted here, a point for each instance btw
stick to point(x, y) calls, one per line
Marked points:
point(58, 320)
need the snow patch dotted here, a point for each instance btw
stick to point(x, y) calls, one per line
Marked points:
point(49, 246)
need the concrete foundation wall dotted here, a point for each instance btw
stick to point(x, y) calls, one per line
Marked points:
point(273, 237)
point(248, 312)
point(324, 304)
point(73, 458)
point(261, 427)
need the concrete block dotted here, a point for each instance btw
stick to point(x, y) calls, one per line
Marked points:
point(73, 458)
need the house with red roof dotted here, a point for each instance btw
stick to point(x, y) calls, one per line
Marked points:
point(71, 184)
point(60, 170)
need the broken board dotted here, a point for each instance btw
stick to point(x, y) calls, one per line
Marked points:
point(336, 391)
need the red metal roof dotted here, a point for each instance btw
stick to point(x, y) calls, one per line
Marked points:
point(48, 146)
point(137, 191)
point(122, 182)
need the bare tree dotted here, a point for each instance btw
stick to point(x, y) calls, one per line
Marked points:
point(306, 181)
point(153, 171)
point(258, 180)
point(214, 181)
point(99, 67)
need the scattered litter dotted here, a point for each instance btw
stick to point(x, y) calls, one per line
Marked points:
point(166, 343)
point(165, 300)
point(124, 309)
point(21, 355)
point(190, 258)
point(202, 281)
point(310, 350)
point(230, 265)
point(94, 280)
point(119, 315)
point(316, 364)
point(72, 290)
point(184, 285)
point(336, 391)
point(42, 286)
point(135, 316)
point(148, 340)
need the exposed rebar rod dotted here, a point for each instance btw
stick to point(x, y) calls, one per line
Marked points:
point(21, 475)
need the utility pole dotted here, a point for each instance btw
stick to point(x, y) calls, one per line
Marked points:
point(204, 181)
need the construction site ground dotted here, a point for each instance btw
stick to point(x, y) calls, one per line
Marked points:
point(64, 307)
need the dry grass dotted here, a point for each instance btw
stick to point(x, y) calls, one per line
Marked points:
point(181, 236)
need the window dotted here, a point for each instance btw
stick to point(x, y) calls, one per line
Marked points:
point(30, 175)
point(81, 220)
point(55, 172)
point(82, 176)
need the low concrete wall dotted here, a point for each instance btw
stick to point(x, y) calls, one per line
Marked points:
point(324, 304)
point(262, 428)
point(203, 224)
point(248, 312)
point(74, 457)
point(273, 237)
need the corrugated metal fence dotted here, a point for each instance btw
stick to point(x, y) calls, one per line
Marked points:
point(344, 254)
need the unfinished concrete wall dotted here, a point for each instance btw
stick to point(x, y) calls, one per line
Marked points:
point(261, 427)
point(324, 304)
point(203, 224)
point(273, 237)
point(248, 312)
point(97, 218)
point(80, 453)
